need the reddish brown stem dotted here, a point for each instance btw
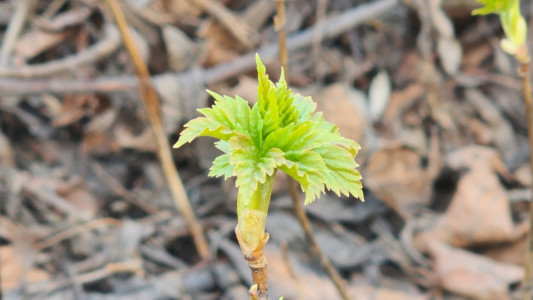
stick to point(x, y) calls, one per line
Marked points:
point(524, 72)
point(258, 265)
point(151, 105)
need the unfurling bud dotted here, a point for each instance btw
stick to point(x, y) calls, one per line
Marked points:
point(252, 228)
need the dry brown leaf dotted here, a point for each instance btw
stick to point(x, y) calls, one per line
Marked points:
point(17, 259)
point(396, 176)
point(475, 156)
point(98, 138)
point(472, 275)
point(339, 104)
point(479, 212)
point(220, 46)
point(74, 108)
point(99, 143)
point(403, 99)
point(510, 253)
point(77, 194)
point(182, 10)
point(182, 52)
point(482, 134)
point(523, 175)
point(144, 141)
point(13, 271)
point(37, 41)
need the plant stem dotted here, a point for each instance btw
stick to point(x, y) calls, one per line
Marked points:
point(151, 105)
point(524, 72)
point(250, 231)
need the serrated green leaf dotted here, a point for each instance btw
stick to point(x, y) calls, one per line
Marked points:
point(308, 168)
point(233, 113)
point(221, 165)
point(342, 176)
point(203, 127)
point(278, 138)
point(223, 120)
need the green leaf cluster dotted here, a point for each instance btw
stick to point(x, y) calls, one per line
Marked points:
point(281, 131)
point(513, 23)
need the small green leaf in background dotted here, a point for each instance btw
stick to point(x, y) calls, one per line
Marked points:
point(493, 6)
point(513, 23)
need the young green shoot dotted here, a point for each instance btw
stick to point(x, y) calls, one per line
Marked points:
point(281, 131)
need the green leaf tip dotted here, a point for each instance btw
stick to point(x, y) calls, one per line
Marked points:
point(493, 6)
point(281, 131)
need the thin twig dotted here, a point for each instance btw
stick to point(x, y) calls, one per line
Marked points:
point(132, 266)
point(151, 105)
point(60, 22)
point(16, 24)
point(103, 48)
point(53, 8)
point(306, 225)
point(293, 185)
point(73, 231)
point(280, 22)
point(331, 28)
point(121, 191)
point(524, 72)
point(320, 13)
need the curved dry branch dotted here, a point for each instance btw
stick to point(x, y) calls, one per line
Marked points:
point(103, 48)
